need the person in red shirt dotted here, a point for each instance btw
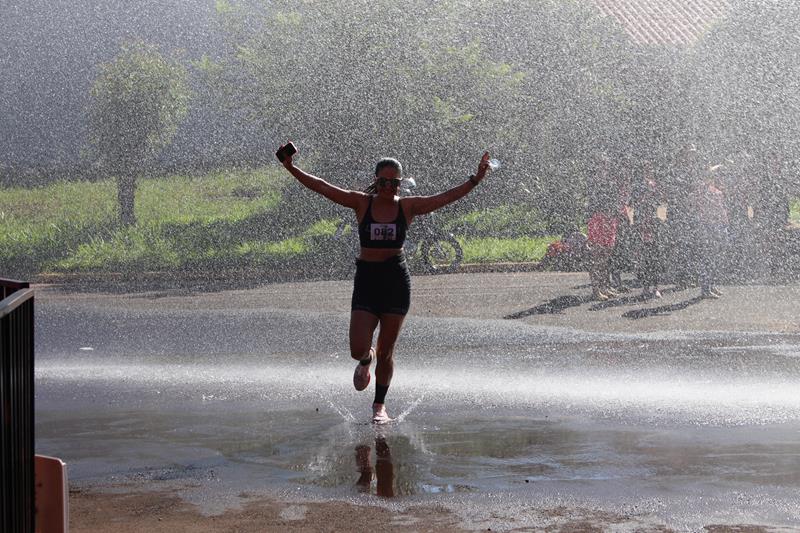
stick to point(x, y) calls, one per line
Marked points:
point(601, 229)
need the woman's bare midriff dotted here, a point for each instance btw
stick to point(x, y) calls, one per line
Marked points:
point(378, 255)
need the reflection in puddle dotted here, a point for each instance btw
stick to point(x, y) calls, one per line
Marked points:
point(469, 455)
point(383, 472)
point(355, 457)
point(444, 457)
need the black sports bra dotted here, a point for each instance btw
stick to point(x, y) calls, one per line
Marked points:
point(374, 234)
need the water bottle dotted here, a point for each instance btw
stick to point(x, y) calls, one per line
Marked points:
point(408, 184)
point(494, 164)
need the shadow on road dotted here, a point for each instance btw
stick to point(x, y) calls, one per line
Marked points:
point(559, 304)
point(663, 310)
point(632, 299)
point(553, 307)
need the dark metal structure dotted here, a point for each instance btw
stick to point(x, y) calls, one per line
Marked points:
point(17, 500)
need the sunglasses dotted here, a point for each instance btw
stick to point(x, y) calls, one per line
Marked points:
point(394, 182)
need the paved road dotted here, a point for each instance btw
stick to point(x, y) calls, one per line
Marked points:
point(679, 411)
point(552, 299)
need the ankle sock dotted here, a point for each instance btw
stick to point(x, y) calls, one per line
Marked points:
point(380, 393)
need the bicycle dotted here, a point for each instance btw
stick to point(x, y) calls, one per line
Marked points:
point(429, 248)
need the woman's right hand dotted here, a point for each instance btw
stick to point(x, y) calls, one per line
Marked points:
point(287, 159)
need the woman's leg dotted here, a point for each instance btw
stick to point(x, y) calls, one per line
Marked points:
point(362, 329)
point(596, 273)
point(390, 329)
point(602, 255)
point(647, 271)
point(705, 264)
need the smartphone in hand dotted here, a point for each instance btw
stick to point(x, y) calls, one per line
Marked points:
point(287, 150)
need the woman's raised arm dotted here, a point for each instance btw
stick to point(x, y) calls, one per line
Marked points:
point(422, 205)
point(336, 194)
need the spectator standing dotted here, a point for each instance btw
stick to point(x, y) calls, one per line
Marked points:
point(645, 200)
point(601, 228)
point(681, 216)
point(712, 219)
point(621, 257)
point(735, 182)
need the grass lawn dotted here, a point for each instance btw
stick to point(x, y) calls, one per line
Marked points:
point(509, 250)
point(72, 226)
point(49, 222)
point(223, 219)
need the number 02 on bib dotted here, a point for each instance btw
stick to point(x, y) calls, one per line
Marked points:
point(383, 232)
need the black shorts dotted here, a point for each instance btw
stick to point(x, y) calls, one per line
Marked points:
point(382, 287)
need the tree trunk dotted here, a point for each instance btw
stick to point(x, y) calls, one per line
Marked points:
point(126, 192)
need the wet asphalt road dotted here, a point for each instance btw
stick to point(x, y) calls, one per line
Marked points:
point(678, 411)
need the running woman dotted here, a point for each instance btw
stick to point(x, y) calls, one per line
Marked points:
point(382, 288)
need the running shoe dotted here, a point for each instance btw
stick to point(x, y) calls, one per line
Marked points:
point(361, 374)
point(707, 294)
point(716, 291)
point(599, 296)
point(379, 414)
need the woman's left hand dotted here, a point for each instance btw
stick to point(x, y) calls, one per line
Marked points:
point(483, 166)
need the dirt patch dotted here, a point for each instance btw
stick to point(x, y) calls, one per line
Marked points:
point(94, 511)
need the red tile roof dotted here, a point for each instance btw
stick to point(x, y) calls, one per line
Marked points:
point(675, 22)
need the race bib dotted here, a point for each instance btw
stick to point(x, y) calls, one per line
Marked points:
point(383, 232)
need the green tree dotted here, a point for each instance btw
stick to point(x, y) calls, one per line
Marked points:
point(138, 102)
point(539, 83)
point(750, 78)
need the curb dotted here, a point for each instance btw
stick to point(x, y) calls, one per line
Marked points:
point(481, 268)
point(244, 275)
